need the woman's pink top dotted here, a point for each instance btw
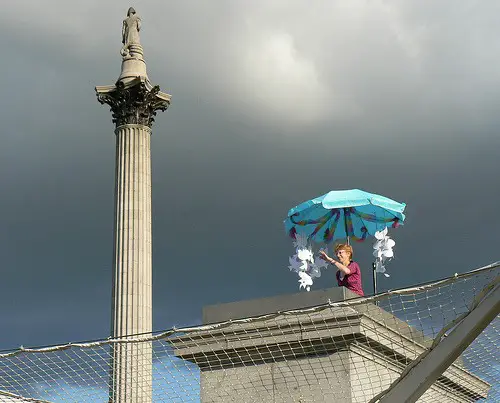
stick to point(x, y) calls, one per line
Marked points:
point(351, 281)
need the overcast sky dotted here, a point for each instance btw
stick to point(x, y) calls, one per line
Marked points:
point(273, 103)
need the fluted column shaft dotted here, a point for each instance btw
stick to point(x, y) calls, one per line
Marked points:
point(132, 292)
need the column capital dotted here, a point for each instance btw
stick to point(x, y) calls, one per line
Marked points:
point(133, 102)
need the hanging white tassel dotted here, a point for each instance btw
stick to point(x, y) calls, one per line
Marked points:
point(304, 263)
point(305, 281)
point(383, 250)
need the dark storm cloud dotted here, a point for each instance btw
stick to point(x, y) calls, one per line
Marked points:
point(272, 104)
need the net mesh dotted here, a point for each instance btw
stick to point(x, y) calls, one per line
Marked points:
point(340, 351)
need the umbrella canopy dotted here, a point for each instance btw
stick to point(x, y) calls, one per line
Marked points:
point(344, 214)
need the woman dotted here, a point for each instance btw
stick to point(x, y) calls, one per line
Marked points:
point(348, 272)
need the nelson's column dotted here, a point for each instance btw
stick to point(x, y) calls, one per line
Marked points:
point(134, 102)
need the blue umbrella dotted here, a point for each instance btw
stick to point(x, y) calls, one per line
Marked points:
point(344, 214)
point(352, 214)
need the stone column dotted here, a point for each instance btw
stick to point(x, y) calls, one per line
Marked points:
point(134, 102)
point(132, 299)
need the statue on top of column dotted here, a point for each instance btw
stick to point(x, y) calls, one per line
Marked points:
point(130, 31)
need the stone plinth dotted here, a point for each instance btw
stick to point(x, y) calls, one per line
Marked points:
point(337, 354)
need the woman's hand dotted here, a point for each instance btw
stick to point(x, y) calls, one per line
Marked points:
point(325, 257)
point(338, 265)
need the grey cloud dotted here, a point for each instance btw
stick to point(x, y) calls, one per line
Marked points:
point(406, 95)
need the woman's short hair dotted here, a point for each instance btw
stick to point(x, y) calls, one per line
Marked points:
point(344, 246)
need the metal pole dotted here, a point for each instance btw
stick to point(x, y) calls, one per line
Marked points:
point(374, 267)
point(345, 226)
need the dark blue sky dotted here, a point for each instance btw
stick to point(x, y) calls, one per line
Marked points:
point(272, 105)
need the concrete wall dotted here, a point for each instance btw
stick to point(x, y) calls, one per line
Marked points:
point(318, 379)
